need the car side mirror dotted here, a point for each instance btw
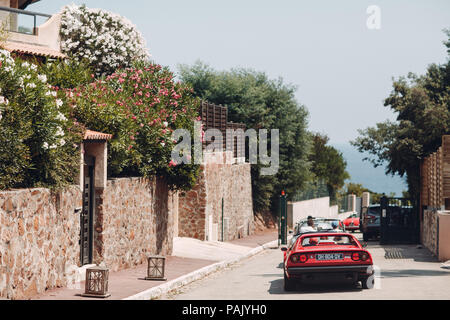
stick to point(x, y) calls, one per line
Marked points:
point(291, 231)
point(284, 249)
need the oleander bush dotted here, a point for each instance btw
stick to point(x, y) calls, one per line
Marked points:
point(38, 140)
point(67, 74)
point(140, 106)
point(106, 40)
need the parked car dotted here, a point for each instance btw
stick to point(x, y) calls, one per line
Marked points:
point(321, 224)
point(371, 223)
point(352, 222)
point(326, 256)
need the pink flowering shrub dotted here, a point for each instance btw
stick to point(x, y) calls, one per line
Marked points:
point(140, 106)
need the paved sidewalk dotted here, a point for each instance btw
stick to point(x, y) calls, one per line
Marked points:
point(189, 256)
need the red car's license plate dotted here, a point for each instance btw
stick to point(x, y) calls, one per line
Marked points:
point(329, 256)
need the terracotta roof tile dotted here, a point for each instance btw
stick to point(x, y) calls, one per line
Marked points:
point(94, 135)
point(35, 50)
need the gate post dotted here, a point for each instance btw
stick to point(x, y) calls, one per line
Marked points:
point(282, 231)
point(383, 220)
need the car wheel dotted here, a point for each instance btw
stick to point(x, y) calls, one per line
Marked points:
point(289, 285)
point(368, 283)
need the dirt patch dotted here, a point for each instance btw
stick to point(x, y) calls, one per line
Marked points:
point(265, 221)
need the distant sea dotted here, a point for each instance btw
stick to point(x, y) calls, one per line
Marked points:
point(371, 178)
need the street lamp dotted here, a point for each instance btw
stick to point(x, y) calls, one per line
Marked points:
point(156, 268)
point(96, 285)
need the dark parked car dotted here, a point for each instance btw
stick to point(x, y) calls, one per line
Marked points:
point(371, 224)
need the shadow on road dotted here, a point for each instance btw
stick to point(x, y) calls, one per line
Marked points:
point(277, 287)
point(413, 273)
point(414, 252)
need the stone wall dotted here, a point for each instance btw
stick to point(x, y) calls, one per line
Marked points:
point(192, 210)
point(39, 233)
point(430, 230)
point(200, 210)
point(134, 218)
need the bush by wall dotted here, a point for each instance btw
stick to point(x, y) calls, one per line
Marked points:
point(37, 137)
point(141, 107)
point(105, 40)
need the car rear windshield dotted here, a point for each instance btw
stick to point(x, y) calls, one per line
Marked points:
point(328, 240)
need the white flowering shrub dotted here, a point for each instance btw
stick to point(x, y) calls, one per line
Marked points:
point(38, 141)
point(105, 40)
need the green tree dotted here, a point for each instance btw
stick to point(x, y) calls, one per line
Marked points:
point(328, 164)
point(358, 190)
point(422, 105)
point(260, 103)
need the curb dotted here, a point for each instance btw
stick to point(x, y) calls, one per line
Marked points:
point(156, 292)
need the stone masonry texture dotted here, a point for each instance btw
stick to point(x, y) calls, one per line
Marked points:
point(429, 230)
point(134, 219)
point(39, 233)
point(219, 179)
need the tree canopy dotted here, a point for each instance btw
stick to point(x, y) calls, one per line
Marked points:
point(260, 103)
point(422, 106)
point(328, 164)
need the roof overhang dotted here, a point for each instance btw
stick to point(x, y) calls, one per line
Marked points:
point(94, 136)
point(25, 3)
point(34, 50)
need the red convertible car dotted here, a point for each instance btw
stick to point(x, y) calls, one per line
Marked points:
point(327, 256)
point(352, 222)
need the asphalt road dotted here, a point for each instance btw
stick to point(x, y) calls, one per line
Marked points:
point(406, 272)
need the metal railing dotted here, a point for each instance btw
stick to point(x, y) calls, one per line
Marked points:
point(20, 21)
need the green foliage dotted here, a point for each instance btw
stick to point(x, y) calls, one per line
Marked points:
point(422, 104)
point(328, 164)
point(355, 188)
point(312, 190)
point(260, 103)
point(37, 138)
point(140, 107)
point(67, 74)
point(358, 190)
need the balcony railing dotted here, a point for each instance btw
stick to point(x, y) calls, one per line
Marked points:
point(21, 21)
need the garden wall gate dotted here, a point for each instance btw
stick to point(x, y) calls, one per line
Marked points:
point(399, 221)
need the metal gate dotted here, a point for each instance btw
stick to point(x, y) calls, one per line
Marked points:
point(399, 221)
point(86, 217)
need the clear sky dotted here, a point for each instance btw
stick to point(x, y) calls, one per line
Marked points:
point(343, 69)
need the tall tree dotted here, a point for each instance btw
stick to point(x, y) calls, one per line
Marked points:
point(260, 103)
point(422, 105)
point(328, 164)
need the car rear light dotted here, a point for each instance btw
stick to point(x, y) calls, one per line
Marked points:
point(363, 256)
point(299, 258)
point(355, 256)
